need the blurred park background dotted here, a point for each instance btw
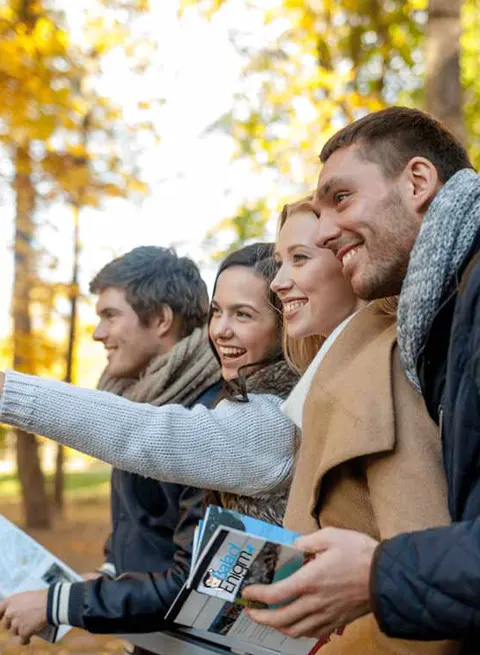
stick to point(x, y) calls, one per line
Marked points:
point(182, 122)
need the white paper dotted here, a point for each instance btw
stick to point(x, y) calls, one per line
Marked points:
point(25, 565)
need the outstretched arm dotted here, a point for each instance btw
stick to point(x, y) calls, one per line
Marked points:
point(245, 448)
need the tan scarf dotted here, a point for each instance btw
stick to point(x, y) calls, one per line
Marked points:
point(179, 376)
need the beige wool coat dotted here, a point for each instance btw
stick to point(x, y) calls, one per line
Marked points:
point(370, 460)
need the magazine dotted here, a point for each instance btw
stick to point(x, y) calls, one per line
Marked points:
point(25, 565)
point(215, 516)
point(233, 551)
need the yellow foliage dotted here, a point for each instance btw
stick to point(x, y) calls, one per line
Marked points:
point(331, 62)
point(318, 74)
point(136, 186)
point(49, 110)
point(419, 5)
point(471, 75)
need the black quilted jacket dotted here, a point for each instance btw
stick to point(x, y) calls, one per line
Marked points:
point(426, 585)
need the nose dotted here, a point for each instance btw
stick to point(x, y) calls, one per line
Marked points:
point(328, 230)
point(100, 333)
point(221, 327)
point(281, 281)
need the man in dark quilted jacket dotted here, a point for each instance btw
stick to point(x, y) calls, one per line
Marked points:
point(399, 205)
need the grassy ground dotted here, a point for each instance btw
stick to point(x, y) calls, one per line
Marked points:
point(78, 539)
point(86, 484)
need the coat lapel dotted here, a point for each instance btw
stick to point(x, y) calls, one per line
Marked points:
point(347, 416)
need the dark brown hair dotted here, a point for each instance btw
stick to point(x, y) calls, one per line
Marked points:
point(152, 277)
point(392, 137)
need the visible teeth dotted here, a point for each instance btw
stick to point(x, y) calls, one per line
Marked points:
point(348, 256)
point(231, 351)
point(293, 306)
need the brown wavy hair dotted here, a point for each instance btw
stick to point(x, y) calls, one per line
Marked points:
point(299, 353)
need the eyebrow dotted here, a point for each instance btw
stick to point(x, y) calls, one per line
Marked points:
point(105, 310)
point(298, 245)
point(325, 189)
point(240, 305)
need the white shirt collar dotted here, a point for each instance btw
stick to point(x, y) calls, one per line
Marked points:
point(293, 406)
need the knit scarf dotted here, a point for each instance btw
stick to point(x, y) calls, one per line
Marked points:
point(179, 376)
point(445, 237)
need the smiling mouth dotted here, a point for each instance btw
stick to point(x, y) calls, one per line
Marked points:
point(293, 306)
point(230, 352)
point(349, 255)
point(110, 352)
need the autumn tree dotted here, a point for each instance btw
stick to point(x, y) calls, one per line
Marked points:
point(32, 100)
point(97, 159)
point(317, 65)
point(321, 63)
point(443, 87)
point(327, 63)
point(247, 224)
point(44, 115)
point(470, 75)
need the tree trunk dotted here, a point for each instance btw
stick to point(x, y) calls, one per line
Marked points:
point(58, 496)
point(36, 507)
point(443, 90)
point(58, 481)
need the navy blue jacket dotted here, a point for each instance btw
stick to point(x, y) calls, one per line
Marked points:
point(151, 548)
point(426, 585)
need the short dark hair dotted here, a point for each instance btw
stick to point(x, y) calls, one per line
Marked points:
point(152, 277)
point(392, 137)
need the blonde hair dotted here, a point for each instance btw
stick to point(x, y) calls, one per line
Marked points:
point(300, 353)
point(388, 305)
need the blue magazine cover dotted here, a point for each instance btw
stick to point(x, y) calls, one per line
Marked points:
point(218, 516)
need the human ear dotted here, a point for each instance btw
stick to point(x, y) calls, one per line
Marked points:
point(164, 321)
point(423, 182)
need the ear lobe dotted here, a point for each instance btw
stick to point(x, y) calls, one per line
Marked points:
point(423, 177)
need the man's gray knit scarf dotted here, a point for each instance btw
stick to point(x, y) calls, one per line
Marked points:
point(446, 235)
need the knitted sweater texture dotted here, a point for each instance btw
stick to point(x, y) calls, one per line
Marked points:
point(244, 448)
point(445, 237)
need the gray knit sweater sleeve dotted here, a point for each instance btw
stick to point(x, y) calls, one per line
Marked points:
point(245, 448)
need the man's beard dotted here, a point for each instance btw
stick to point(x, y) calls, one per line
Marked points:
point(386, 268)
